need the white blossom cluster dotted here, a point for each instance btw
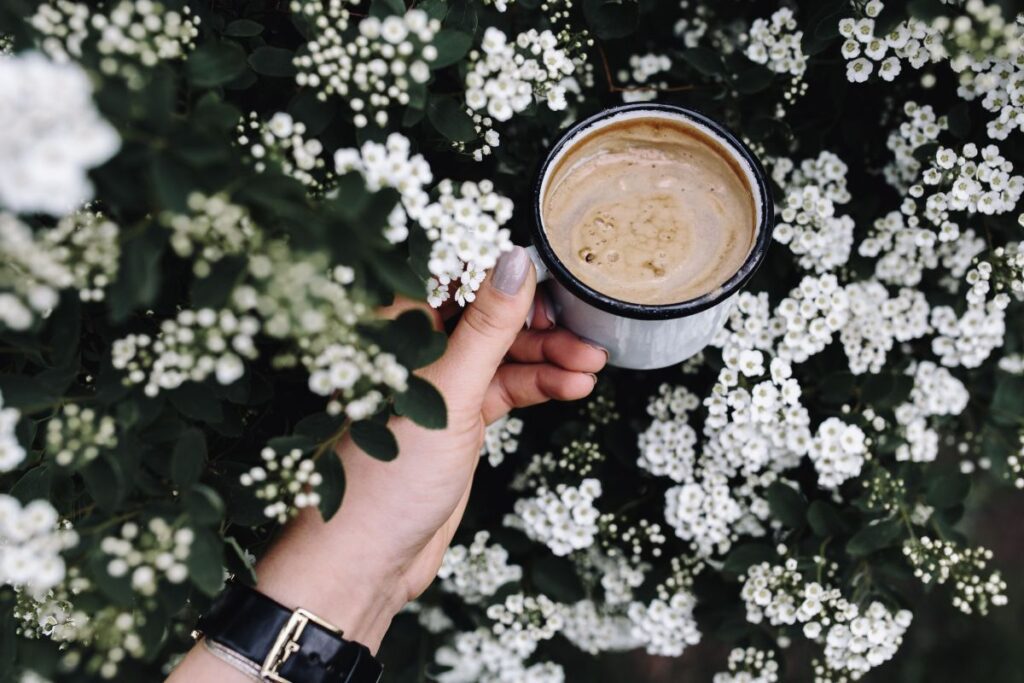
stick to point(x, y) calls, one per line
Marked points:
point(855, 641)
point(30, 275)
point(812, 313)
point(912, 41)
point(51, 613)
point(11, 451)
point(990, 65)
point(963, 183)
point(668, 446)
point(77, 435)
point(838, 451)
point(921, 127)
point(282, 141)
point(506, 76)
point(373, 70)
point(938, 562)
point(522, 621)
point(704, 512)
point(51, 134)
point(32, 538)
point(692, 28)
point(936, 392)
point(480, 657)
point(878, 320)
point(666, 627)
point(564, 519)
point(619, 575)
point(477, 571)
point(215, 228)
point(464, 223)
point(102, 641)
point(809, 225)
point(501, 438)
point(595, 629)
point(131, 36)
point(149, 553)
point(189, 348)
point(86, 242)
point(642, 69)
point(283, 482)
point(749, 665)
point(967, 340)
point(775, 42)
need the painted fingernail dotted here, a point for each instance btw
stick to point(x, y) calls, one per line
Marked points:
point(599, 348)
point(593, 377)
point(548, 308)
point(510, 273)
point(529, 316)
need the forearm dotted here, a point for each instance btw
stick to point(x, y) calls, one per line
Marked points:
point(327, 568)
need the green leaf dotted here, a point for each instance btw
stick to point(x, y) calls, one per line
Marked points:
point(243, 28)
point(947, 490)
point(138, 277)
point(886, 389)
point(743, 556)
point(272, 61)
point(188, 459)
point(105, 481)
point(423, 404)
point(204, 505)
point(449, 117)
point(461, 15)
point(374, 438)
point(34, 484)
point(319, 426)
point(753, 79)
point(385, 8)
point(826, 520)
point(704, 60)
point(26, 393)
point(173, 182)
point(611, 18)
point(787, 505)
point(413, 340)
point(557, 577)
point(1008, 400)
point(398, 276)
point(206, 561)
point(310, 110)
point(451, 46)
point(197, 402)
point(215, 63)
point(332, 483)
point(875, 537)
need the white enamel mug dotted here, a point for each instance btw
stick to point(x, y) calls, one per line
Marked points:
point(641, 336)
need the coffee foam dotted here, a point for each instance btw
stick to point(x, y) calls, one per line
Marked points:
point(650, 208)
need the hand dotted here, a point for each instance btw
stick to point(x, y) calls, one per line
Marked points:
point(385, 544)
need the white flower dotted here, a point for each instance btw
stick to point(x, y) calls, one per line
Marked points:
point(50, 135)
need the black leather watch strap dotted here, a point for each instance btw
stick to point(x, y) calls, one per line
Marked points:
point(265, 633)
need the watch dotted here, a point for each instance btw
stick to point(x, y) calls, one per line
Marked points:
point(270, 642)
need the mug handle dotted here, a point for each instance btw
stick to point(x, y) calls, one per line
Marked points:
point(538, 263)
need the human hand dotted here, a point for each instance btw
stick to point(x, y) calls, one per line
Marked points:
point(385, 544)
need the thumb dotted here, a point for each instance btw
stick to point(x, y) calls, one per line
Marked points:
point(486, 331)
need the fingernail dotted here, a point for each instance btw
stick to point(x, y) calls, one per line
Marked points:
point(510, 273)
point(599, 348)
point(529, 316)
point(546, 306)
point(593, 377)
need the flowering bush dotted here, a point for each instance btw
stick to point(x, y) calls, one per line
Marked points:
point(202, 204)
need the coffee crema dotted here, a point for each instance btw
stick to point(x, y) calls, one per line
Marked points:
point(650, 210)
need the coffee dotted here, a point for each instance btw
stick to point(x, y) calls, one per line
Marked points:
point(650, 210)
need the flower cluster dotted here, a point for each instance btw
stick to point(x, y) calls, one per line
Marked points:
point(377, 68)
point(149, 553)
point(969, 339)
point(750, 665)
point(935, 392)
point(282, 141)
point(50, 135)
point(131, 36)
point(188, 348)
point(595, 630)
point(938, 561)
point(522, 621)
point(666, 627)
point(668, 445)
point(809, 226)
point(78, 435)
point(921, 127)
point(215, 228)
point(506, 76)
point(501, 439)
point(838, 451)
point(564, 519)
point(31, 276)
point(775, 42)
point(912, 41)
point(11, 451)
point(283, 482)
point(86, 242)
point(480, 657)
point(32, 538)
point(477, 571)
point(642, 68)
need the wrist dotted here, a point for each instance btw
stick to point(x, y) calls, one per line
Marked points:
point(328, 569)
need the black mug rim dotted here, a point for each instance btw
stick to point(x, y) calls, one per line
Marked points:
point(681, 309)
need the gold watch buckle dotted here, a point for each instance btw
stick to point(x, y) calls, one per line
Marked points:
point(287, 643)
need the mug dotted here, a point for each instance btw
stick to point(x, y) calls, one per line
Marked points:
point(641, 336)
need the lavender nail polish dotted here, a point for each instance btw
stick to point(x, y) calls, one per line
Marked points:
point(510, 273)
